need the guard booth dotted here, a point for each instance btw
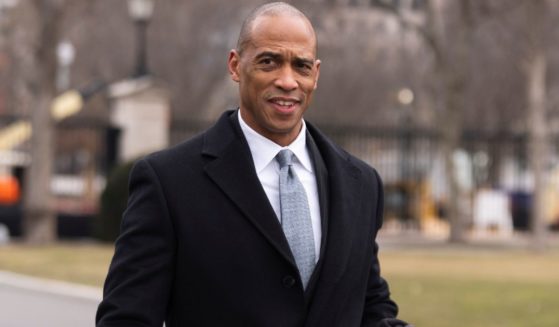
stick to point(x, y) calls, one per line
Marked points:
point(138, 123)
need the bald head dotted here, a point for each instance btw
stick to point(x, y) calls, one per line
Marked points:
point(268, 10)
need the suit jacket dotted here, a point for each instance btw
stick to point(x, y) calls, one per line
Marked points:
point(200, 244)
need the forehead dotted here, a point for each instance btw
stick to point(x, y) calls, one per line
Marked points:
point(283, 33)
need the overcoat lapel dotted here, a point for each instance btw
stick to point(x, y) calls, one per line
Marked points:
point(321, 174)
point(231, 167)
point(345, 196)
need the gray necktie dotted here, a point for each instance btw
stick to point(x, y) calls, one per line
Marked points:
point(296, 216)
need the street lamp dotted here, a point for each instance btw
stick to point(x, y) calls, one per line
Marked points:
point(141, 11)
point(405, 98)
point(65, 53)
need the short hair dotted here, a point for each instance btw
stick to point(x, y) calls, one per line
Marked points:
point(269, 9)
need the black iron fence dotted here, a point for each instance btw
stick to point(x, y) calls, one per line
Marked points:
point(400, 154)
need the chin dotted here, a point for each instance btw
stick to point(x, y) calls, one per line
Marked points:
point(287, 128)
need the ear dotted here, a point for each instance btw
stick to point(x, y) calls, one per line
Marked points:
point(317, 63)
point(233, 64)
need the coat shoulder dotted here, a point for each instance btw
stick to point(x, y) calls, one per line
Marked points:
point(179, 152)
point(207, 143)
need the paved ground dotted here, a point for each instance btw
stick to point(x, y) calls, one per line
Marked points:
point(32, 302)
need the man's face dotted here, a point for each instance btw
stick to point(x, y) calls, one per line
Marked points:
point(277, 74)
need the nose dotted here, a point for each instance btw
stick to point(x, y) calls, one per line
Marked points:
point(286, 80)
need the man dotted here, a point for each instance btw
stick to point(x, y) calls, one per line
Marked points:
point(259, 221)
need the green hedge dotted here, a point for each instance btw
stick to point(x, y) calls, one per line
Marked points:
point(113, 203)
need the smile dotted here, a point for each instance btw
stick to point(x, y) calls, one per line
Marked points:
point(284, 104)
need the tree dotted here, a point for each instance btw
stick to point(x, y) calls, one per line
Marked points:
point(36, 34)
point(39, 220)
point(447, 29)
point(535, 69)
point(528, 32)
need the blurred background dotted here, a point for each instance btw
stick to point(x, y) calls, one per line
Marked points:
point(455, 103)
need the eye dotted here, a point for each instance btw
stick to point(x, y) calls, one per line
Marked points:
point(303, 67)
point(266, 61)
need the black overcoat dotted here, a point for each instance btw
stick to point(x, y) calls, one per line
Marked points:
point(200, 244)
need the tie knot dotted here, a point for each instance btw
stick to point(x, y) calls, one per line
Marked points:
point(284, 158)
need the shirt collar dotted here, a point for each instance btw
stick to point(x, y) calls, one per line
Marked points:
point(264, 150)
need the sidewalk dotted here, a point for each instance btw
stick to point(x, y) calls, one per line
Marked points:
point(28, 301)
point(51, 286)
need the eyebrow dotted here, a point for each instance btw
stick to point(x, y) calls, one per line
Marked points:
point(273, 55)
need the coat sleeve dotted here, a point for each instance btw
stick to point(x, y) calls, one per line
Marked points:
point(378, 304)
point(137, 288)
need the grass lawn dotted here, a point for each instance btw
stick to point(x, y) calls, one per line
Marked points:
point(474, 288)
point(434, 288)
point(73, 262)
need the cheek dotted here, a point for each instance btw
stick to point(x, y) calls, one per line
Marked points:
point(255, 86)
point(308, 88)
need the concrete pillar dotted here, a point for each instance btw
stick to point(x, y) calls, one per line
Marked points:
point(140, 108)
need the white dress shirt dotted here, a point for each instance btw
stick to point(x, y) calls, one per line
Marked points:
point(267, 168)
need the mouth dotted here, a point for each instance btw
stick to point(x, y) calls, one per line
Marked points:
point(285, 105)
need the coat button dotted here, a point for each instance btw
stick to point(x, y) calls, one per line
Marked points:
point(288, 281)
